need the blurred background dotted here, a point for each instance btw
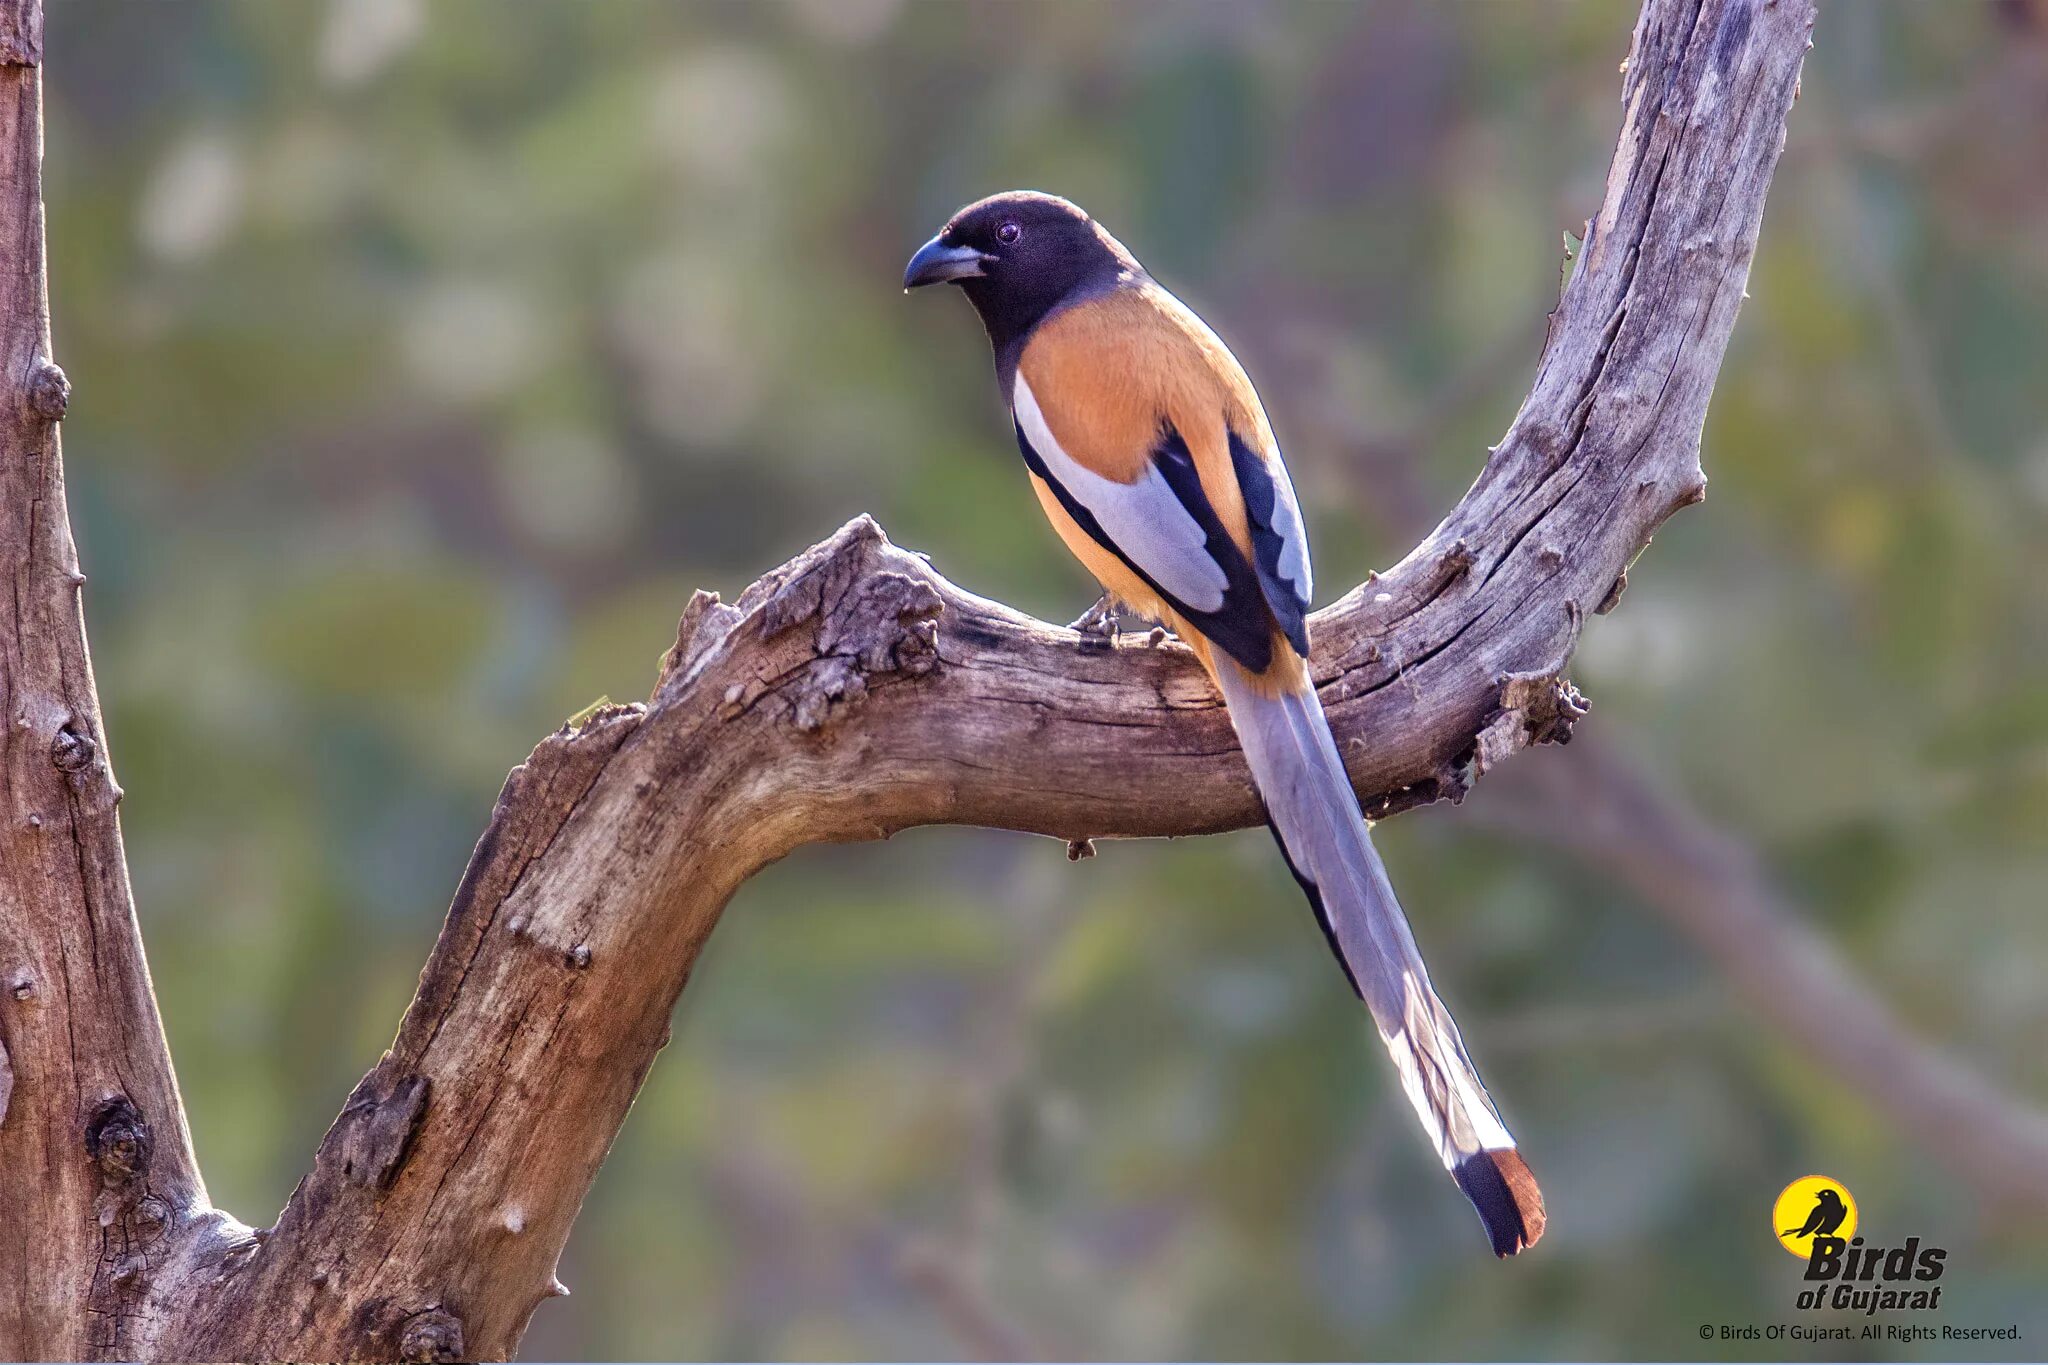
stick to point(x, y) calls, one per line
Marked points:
point(427, 357)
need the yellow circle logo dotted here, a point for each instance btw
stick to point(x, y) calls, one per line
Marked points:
point(1812, 1206)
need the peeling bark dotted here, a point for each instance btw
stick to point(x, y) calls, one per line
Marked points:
point(850, 693)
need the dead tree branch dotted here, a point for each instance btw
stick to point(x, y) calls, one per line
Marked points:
point(96, 1167)
point(848, 694)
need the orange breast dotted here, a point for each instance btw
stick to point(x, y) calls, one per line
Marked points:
point(1110, 373)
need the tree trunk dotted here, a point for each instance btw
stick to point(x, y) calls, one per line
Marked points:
point(848, 694)
point(96, 1168)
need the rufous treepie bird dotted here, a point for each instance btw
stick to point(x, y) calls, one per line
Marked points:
point(1152, 456)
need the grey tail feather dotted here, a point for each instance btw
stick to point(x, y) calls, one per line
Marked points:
point(1316, 820)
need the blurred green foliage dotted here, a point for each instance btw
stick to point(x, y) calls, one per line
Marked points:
point(427, 357)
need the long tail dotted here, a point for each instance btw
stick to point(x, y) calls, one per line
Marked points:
point(1316, 819)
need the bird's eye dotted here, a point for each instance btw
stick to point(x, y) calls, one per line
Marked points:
point(1008, 233)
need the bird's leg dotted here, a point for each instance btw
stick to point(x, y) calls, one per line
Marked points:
point(1100, 620)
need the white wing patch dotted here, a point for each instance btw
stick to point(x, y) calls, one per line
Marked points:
point(1146, 522)
point(1293, 565)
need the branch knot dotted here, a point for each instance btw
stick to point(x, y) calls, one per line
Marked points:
point(378, 1124)
point(432, 1335)
point(1534, 708)
point(117, 1138)
point(873, 619)
point(72, 750)
point(49, 392)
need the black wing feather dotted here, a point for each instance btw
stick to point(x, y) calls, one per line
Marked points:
point(1260, 499)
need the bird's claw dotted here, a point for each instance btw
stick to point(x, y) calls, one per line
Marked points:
point(1100, 621)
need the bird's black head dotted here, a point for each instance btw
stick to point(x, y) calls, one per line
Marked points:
point(1017, 256)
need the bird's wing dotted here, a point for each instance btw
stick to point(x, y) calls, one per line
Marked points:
point(1162, 527)
point(1131, 411)
point(1279, 540)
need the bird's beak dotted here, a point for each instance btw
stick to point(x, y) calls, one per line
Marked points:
point(936, 263)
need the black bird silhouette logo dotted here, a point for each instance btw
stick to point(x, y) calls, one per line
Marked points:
point(1828, 1213)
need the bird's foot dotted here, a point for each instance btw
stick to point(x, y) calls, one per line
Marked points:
point(1100, 622)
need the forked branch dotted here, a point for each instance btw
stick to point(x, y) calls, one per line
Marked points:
point(854, 692)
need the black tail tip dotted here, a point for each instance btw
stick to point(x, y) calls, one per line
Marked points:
point(1501, 1187)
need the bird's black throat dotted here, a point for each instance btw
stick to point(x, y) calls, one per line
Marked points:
point(1011, 306)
